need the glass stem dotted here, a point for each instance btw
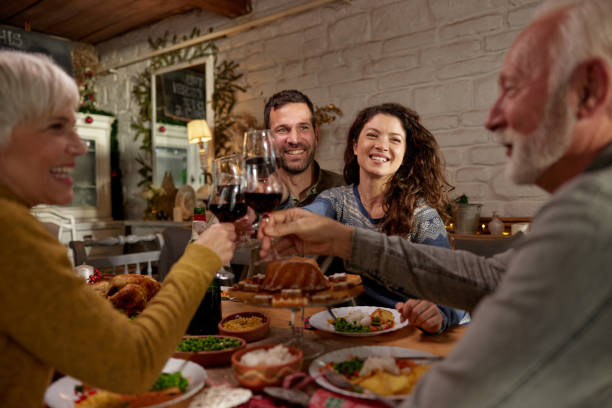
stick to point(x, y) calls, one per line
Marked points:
point(297, 326)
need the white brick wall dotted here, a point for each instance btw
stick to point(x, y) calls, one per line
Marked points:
point(439, 57)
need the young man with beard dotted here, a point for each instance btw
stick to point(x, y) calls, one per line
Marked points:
point(290, 115)
point(540, 334)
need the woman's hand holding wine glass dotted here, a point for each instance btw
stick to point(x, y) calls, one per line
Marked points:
point(227, 198)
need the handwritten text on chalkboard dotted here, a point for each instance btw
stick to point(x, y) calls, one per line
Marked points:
point(184, 94)
point(28, 41)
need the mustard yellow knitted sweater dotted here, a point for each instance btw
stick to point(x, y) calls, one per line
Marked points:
point(50, 318)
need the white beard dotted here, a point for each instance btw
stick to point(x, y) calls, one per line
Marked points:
point(534, 153)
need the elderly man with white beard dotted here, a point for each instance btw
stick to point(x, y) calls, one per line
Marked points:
point(541, 329)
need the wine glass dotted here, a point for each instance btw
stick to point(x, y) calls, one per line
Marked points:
point(263, 189)
point(226, 199)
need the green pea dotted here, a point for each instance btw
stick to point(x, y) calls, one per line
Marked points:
point(208, 343)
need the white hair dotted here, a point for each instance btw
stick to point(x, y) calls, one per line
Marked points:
point(584, 33)
point(32, 86)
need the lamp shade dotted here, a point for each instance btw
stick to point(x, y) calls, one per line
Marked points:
point(198, 131)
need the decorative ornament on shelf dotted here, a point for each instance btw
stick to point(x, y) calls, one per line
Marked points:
point(496, 226)
point(152, 195)
point(88, 119)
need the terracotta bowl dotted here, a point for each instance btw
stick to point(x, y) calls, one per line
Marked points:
point(210, 358)
point(258, 377)
point(254, 334)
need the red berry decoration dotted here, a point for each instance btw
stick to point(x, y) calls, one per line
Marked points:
point(95, 277)
point(162, 129)
point(88, 119)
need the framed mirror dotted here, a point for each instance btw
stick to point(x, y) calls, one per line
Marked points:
point(180, 93)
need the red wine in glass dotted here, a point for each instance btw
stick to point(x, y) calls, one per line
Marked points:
point(228, 203)
point(262, 166)
point(263, 202)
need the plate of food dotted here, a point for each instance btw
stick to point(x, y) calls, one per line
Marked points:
point(358, 321)
point(389, 371)
point(179, 380)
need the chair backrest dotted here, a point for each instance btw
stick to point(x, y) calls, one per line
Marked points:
point(121, 260)
point(51, 216)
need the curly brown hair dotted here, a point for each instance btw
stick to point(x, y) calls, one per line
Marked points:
point(419, 178)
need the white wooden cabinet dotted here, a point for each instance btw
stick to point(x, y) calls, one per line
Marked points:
point(91, 206)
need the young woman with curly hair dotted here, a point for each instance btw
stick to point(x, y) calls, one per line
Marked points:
point(395, 185)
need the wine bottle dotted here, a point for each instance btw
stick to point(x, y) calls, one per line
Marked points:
point(198, 225)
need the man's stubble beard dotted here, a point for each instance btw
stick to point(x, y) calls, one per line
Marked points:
point(532, 155)
point(301, 167)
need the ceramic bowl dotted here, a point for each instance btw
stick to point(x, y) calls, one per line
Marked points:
point(210, 358)
point(260, 376)
point(254, 334)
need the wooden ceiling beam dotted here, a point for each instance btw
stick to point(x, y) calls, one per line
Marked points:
point(228, 8)
point(12, 8)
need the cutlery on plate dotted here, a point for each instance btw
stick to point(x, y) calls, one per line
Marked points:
point(340, 381)
point(330, 311)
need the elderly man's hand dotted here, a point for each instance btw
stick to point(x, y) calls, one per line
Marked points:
point(302, 232)
point(422, 314)
point(220, 239)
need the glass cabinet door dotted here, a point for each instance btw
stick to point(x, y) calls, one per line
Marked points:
point(172, 160)
point(84, 186)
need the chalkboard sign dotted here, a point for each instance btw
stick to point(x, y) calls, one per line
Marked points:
point(184, 94)
point(57, 48)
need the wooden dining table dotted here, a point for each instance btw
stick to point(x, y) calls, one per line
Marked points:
point(280, 331)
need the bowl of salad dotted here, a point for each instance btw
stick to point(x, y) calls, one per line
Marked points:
point(210, 350)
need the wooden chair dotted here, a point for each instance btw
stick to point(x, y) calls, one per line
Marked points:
point(124, 260)
point(55, 221)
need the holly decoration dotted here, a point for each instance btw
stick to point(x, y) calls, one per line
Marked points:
point(95, 277)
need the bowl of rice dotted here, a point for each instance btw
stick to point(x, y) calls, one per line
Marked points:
point(264, 366)
point(250, 326)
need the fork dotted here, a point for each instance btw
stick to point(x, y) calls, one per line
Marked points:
point(329, 310)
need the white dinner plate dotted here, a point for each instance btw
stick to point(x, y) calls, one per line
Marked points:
point(60, 394)
point(320, 320)
point(361, 352)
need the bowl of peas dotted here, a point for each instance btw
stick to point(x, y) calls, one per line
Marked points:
point(208, 350)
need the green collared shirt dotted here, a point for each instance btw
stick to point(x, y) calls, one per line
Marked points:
point(325, 179)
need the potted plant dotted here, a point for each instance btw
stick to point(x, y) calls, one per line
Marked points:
point(466, 215)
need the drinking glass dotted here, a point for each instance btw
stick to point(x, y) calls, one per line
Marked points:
point(226, 199)
point(263, 189)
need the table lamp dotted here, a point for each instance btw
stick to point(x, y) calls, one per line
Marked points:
point(199, 133)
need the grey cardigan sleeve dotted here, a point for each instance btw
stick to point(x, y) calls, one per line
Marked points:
point(455, 278)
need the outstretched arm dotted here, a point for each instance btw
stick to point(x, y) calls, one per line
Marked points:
point(454, 278)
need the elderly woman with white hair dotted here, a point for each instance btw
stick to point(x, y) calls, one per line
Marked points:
point(49, 317)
